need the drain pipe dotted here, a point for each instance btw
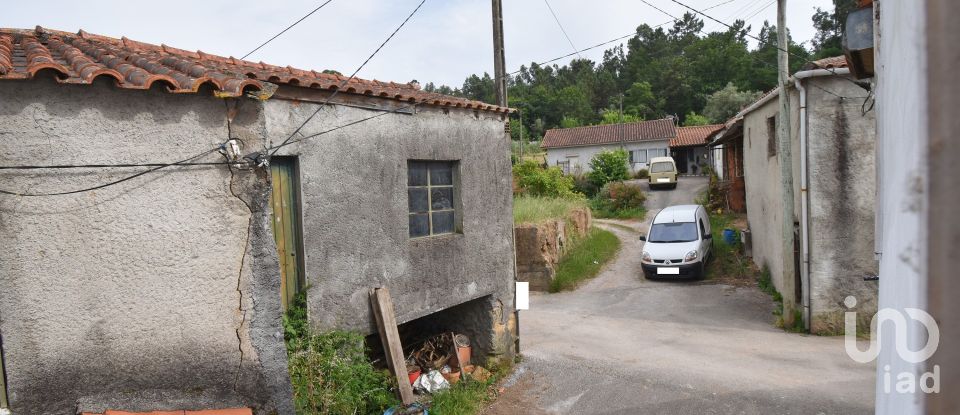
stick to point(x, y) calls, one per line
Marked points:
point(804, 176)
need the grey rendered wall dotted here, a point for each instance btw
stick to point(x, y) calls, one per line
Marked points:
point(144, 295)
point(585, 154)
point(762, 184)
point(842, 187)
point(355, 217)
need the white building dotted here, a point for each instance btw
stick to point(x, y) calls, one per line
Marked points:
point(571, 149)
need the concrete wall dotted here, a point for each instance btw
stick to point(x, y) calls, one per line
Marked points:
point(841, 184)
point(762, 187)
point(158, 293)
point(585, 154)
point(902, 113)
point(355, 217)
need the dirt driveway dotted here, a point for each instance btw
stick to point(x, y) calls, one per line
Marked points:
point(620, 344)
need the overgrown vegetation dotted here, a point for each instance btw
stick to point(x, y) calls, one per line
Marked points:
point(729, 265)
point(619, 200)
point(585, 259)
point(533, 179)
point(330, 371)
point(528, 209)
point(765, 283)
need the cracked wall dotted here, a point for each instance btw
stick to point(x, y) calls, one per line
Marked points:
point(158, 293)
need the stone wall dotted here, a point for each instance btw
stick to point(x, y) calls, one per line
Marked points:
point(540, 246)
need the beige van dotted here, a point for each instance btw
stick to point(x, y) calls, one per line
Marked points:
point(663, 172)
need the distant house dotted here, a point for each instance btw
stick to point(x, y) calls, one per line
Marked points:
point(689, 148)
point(834, 187)
point(571, 149)
point(165, 291)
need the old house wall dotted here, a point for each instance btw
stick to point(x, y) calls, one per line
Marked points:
point(585, 154)
point(161, 292)
point(762, 187)
point(355, 217)
point(842, 188)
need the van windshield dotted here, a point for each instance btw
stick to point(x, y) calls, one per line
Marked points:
point(661, 167)
point(673, 232)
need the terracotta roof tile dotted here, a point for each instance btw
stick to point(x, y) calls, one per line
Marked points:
point(610, 134)
point(82, 57)
point(827, 63)
point(694, 136)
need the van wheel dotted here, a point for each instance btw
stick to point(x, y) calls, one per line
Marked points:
point(674, 186)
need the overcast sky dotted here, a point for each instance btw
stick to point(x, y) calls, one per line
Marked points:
point(445, 42)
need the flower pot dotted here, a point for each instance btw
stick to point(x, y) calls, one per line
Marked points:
point(452, 377)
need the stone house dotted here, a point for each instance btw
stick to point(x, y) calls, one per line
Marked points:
point(571, 149)
point(164, 288)
point(834, 188)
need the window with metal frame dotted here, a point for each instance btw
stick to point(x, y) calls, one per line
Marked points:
point(432, 197)
point(564, 165)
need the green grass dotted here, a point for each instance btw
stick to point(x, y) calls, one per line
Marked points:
point(532, 210)
point(585, 259)
point(602, 213)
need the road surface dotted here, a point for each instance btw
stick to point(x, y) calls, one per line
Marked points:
point(622, 345)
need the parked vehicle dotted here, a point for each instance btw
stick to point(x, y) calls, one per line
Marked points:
point(678, 243)
point(663, 172)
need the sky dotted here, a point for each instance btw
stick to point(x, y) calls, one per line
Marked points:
point(446, 41)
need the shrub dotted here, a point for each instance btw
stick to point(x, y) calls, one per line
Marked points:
point(583, 185)
point(330, 371)
point(619, 200)
point(642, 174)
point(609, 166)
point(535, 180)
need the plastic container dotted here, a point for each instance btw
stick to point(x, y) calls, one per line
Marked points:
point(730, 236)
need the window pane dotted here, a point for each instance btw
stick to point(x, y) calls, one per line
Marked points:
point(441, 174)
point(441, 198)
point(416, 173)
point(419, 225)
point(442, 222)
point(418, 200)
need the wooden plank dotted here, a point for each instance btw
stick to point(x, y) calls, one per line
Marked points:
point(390, 337)
point(278, 229)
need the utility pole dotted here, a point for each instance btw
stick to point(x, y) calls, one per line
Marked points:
point(786, 168)
point(499, 64)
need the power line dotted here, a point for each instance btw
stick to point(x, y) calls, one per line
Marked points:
point(760, 10)
point(131, 177)
point(340, 127)
point(556, 19)
point(107, 166)
point(344, 83)
point(285, 30)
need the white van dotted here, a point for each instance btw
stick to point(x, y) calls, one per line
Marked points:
point(677, 243)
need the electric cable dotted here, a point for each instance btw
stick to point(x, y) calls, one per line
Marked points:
point(285, 30)
point(556, 19)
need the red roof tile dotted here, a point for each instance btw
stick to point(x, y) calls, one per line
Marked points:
point(610, 134)
point(79, 58)
point(694, 136)
point(827, 63)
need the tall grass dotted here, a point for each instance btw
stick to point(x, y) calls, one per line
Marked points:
point(585, 259)
point(533, 210)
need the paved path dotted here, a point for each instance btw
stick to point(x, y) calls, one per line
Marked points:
point(620, 344)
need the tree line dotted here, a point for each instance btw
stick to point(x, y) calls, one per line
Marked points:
point(700, 78)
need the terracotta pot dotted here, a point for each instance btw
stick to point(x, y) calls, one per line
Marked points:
point(463, 356)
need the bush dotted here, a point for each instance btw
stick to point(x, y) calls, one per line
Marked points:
point(330, 372)
point(642, 174)
point(609, 166)
point(535, 180)
point(619, 200)
point(583, 185)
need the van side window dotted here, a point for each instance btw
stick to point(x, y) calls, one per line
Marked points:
point(703, 232)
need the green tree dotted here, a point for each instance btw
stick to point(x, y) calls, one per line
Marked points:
point(727, 102)
point(827, 42)
point(612, 116)
point(693, 119)
point(608, 166)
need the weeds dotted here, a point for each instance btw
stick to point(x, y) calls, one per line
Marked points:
point(528, 209)
point(585, 259)
point(330, 371)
